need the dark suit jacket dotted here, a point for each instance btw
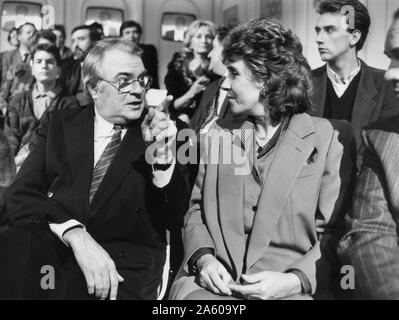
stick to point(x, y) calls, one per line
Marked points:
point(54, 182)
point(374, 98)
point(71, 75)
point(150, 61)
point(371, 243)
point(201, 113)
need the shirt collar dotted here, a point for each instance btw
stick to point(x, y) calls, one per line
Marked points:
point(23, 52)
point(337, 79)
point(102, 128)
point(52, 94)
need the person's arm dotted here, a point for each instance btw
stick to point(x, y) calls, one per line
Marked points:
point(12, 126)
point(371, 244)
point(197, 87)
point(320, 262)
point(195, 233)
point(28, 198)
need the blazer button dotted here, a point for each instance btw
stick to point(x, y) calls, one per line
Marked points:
point(50, 195)
point(139, 211)
point(255, 208)
point(123, 254)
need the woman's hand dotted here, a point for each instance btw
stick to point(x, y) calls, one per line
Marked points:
point(268, 286)
point(199, 85)
point(213, 276)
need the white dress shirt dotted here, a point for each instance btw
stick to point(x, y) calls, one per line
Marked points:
point(341, 84)
point(103, 132)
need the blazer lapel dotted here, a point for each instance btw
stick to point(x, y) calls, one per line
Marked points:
point(319, 92)
point(364, 102)
point(131, 148)
point(230, 195)
point(79, 136)
point(292, 152)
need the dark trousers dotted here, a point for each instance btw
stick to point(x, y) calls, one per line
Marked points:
point(30, 254)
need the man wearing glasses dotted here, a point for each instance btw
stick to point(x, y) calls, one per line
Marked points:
point(89, 208)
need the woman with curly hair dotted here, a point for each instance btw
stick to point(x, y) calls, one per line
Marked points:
point(187, 75)
point(269, 232)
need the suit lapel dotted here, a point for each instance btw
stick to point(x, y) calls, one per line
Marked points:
point(79, 135)
point(230, 195)
point(319, 92)
point(364, 102)
point(130, 149)
point(292, 152)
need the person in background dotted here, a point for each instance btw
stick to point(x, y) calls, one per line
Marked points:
point(187, 75)
point(26, 108)
point(46, 37)
point(269, 230)
point(7, 174)
point(214, 102)
point(99, 29)
point(346, 87)
point(13, 41)
point(132, 31)
point(13, 38)
point(65, 52)
point(83, 39)
point(16, 73)
point(370, 245)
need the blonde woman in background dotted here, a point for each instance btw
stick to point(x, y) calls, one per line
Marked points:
point(187, 75)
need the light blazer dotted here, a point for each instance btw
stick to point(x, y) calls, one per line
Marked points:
point(307, 190)
point(374, 98)
point(371, 243)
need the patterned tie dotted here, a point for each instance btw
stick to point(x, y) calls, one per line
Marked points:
point(105, 160)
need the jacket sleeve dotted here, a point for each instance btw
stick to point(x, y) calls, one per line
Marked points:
point(195, 232)
point(371, 243)
point(27, 198)
point(12, 125)
point(320, 263)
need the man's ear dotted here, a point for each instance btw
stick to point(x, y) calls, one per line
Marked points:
point(92, 89)
point(356, 36)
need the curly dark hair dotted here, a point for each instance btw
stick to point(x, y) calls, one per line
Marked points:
point(274, 56)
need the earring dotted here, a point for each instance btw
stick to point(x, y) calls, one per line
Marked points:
point(263, 92)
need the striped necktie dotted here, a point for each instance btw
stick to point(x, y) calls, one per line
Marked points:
point(105, 160)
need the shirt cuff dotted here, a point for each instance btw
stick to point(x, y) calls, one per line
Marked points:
point(305, 283)
point(162, 178)
point(192, 263)
point(59, 229)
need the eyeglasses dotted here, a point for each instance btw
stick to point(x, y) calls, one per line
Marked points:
point(124, 85)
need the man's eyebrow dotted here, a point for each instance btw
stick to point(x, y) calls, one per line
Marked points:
point(130, 74)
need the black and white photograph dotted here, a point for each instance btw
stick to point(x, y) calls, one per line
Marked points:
point(216, 151)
